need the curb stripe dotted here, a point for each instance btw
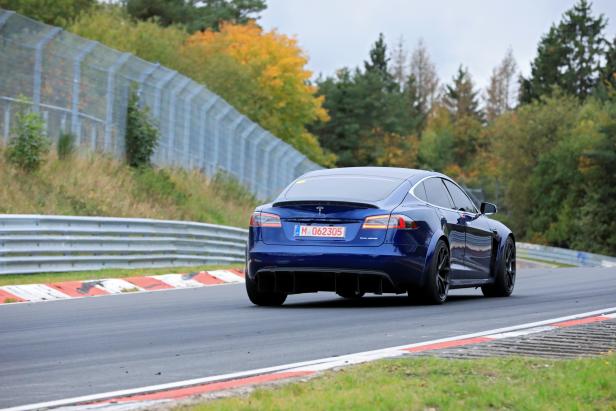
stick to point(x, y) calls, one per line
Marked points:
point(216, 386)
point(581, 321)
point(206, 279)
point(148, 283)
point(78, 289)
point(178, 280)
point(227, 276)
point(35, 292)
point(5, 295)
point(117, 286)
point(448, 344)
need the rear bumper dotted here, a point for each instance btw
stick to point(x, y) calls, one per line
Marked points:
point(300, 269)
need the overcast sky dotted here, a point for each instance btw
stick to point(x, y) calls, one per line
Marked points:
point(476, 33)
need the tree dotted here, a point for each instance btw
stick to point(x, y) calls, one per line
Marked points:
point(274, 83)
point(399, 66)
point(499, 94)
point(460, 96)
point(57, 13)
point(425, 77)
point(569, 56)
point(196, 15)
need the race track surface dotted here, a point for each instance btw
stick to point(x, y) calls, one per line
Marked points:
point(61, 349)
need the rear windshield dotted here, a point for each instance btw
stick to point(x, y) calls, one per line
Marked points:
point(349, 188)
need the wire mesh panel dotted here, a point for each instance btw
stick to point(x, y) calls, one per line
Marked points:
point(83, 87)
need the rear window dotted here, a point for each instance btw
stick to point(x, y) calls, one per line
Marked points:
point(350, 188)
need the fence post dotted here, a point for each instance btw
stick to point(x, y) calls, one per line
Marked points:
point(243, 148)
point(256, 141)
point(159, 87)
point(172, 112)
point(111, 97)
point(219, 118)
point(5, 16)
point(231, 140)
point(299, 159)
point(206, 108)
point(38, 65)
point(75, 123)
point(187, 117)
point(7, 122)
point(142, 79)
point(268, 175)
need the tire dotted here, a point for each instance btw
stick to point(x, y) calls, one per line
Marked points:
point(436, 287)
point(267, 299)
point(504, 278)
point(350, 295)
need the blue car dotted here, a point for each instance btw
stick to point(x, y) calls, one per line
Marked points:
point(376, 230)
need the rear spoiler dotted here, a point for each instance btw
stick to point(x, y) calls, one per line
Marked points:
point(287, 203)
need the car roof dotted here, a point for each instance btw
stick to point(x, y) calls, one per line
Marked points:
point(387, 172)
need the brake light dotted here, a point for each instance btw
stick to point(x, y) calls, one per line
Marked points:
point(259, 219)
point(397, 221)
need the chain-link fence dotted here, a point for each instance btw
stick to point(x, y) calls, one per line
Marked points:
point(82, 87)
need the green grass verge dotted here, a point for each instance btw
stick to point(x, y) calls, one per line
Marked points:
point(45, 278)
point(440, 384)
point(555, 264)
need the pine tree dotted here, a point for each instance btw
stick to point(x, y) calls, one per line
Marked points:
point(460, 96)
point(568, 56)
point(399, 66)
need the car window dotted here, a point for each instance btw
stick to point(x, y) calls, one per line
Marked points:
point(346, 187)
point(460, 199)
point(420, 192)
point(437, 193)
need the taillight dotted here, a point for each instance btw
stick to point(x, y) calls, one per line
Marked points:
point(397, 221)
point(258, 219)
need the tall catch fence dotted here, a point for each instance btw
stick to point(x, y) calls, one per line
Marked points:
point(82, 87)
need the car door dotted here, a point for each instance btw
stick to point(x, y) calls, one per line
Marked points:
point(455, 225)
point(478, 247)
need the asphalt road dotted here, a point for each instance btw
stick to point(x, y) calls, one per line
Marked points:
point(69, 348)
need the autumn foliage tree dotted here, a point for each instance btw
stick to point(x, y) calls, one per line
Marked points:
point(275, 90)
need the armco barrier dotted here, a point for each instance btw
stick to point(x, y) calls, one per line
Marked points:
point(37, 243)
point(563, 256)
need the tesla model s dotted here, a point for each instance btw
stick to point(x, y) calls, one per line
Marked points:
point(376, 230)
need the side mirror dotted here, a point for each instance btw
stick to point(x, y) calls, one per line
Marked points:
point(488, 208)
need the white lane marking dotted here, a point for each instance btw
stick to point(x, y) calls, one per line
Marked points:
point(178, 280)
point(226, 276)
point(117, 286)
point(521, 332)
point(318, 365)
point(35, 292)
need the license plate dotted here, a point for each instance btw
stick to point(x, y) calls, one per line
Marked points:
point(319, 231)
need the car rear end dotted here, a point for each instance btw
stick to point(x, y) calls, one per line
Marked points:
point(335, 233)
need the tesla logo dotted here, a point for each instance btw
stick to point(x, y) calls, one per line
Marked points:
point(320, 208)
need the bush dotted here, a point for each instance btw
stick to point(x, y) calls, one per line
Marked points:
point(29, 144)
point(66, 145)
point(141, 134)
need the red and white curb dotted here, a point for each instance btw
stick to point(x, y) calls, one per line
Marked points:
point(157, 394)
point(79, 289)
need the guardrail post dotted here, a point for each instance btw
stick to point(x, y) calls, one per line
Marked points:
point(38, 65)
point(204, 115)
point(218, 138)
point(187, 117)
point(75, 123)
point(111, 97)
point(172, 113)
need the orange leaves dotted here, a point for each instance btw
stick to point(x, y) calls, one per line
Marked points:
point(274, 88)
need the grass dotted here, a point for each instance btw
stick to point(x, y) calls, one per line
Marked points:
point(96, 185)
point(440, 384)
point(554, 263)
point(46, 278)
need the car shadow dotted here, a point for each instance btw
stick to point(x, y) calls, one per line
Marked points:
point(375, 302)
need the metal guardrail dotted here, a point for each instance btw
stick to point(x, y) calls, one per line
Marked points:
point(563, 256)
point(37, 243)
